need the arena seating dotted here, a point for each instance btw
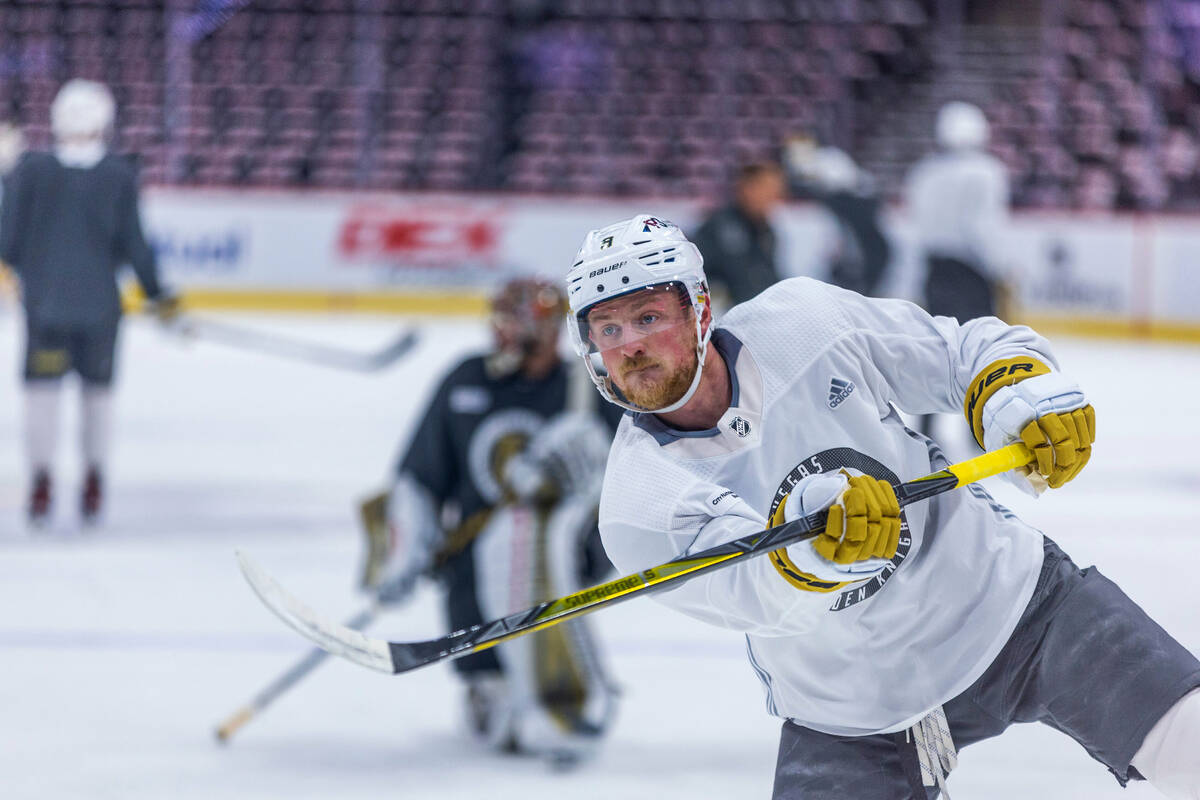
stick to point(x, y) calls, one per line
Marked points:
point(614, 97)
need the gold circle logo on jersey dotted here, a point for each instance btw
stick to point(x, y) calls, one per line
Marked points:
point(830, 461)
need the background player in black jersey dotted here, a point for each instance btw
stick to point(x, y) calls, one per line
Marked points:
point(496, 497)
point(68, 221)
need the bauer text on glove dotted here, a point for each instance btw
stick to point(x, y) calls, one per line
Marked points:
point(1021, 399)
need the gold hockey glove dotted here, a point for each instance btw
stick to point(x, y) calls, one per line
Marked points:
point(864, 523)
point(861, 533)
point(1021, 399)
point(1062, 443)
point(166, 307)
point(990, 380)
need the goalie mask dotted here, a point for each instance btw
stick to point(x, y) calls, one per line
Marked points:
point(526, 317)
point(638, 297)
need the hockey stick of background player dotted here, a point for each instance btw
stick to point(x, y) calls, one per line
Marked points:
point(287, 680)
point(287, 347)
point(392, 657)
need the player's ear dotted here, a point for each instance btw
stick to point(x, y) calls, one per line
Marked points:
point(705, 316)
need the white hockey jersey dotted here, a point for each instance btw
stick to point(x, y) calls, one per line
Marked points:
point(818, 373)
point(958, 204)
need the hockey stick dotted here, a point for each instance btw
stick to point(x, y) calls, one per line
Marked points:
point(393, 657)
point(312, 352)
point(287, 680)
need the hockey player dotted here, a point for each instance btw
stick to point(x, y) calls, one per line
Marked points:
point(69, 219)
point(496, 496)
point(958, 202)
point(895, 636)
point(858, 249)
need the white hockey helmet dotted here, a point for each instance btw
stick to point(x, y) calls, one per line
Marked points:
point(834, 170)
point(82, 109)
point(641, 253)
point(961, 126)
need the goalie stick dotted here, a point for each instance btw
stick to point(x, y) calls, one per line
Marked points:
point(287, 347)
point(287, 680)
point(395, 657)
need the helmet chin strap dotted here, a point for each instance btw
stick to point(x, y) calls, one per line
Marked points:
point(691, 390)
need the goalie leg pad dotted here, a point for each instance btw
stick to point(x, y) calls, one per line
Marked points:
point(559, 695)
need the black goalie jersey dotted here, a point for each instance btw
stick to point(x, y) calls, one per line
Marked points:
point(473, 425)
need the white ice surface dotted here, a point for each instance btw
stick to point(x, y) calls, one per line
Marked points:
point(121, 648)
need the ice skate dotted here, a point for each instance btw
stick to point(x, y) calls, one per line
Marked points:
point(92, 500)
point(40, 500)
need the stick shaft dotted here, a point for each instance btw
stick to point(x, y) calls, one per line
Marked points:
point(289, 678)
point(287, 347)
point(406, 656)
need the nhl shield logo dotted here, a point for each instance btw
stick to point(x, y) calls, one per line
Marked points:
point(740, 426)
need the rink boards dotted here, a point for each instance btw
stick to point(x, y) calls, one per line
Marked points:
point(1109, 274)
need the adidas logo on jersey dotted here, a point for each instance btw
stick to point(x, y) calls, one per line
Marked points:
point(839, 390)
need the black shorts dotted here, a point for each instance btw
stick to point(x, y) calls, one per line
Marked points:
point(1084, 659)
point(52, 351)
point(954, 288)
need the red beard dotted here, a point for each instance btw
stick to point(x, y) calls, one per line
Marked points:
point(659, 391)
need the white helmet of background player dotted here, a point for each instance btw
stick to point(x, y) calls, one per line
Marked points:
point(961, 126)
point(82, 110)
point(642, 254)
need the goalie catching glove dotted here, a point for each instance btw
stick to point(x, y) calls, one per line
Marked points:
point(1021, 399)
point(860, 537)
point(402, 539)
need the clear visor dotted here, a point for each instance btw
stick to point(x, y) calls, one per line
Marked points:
point(643, 349)
point(641, 315)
